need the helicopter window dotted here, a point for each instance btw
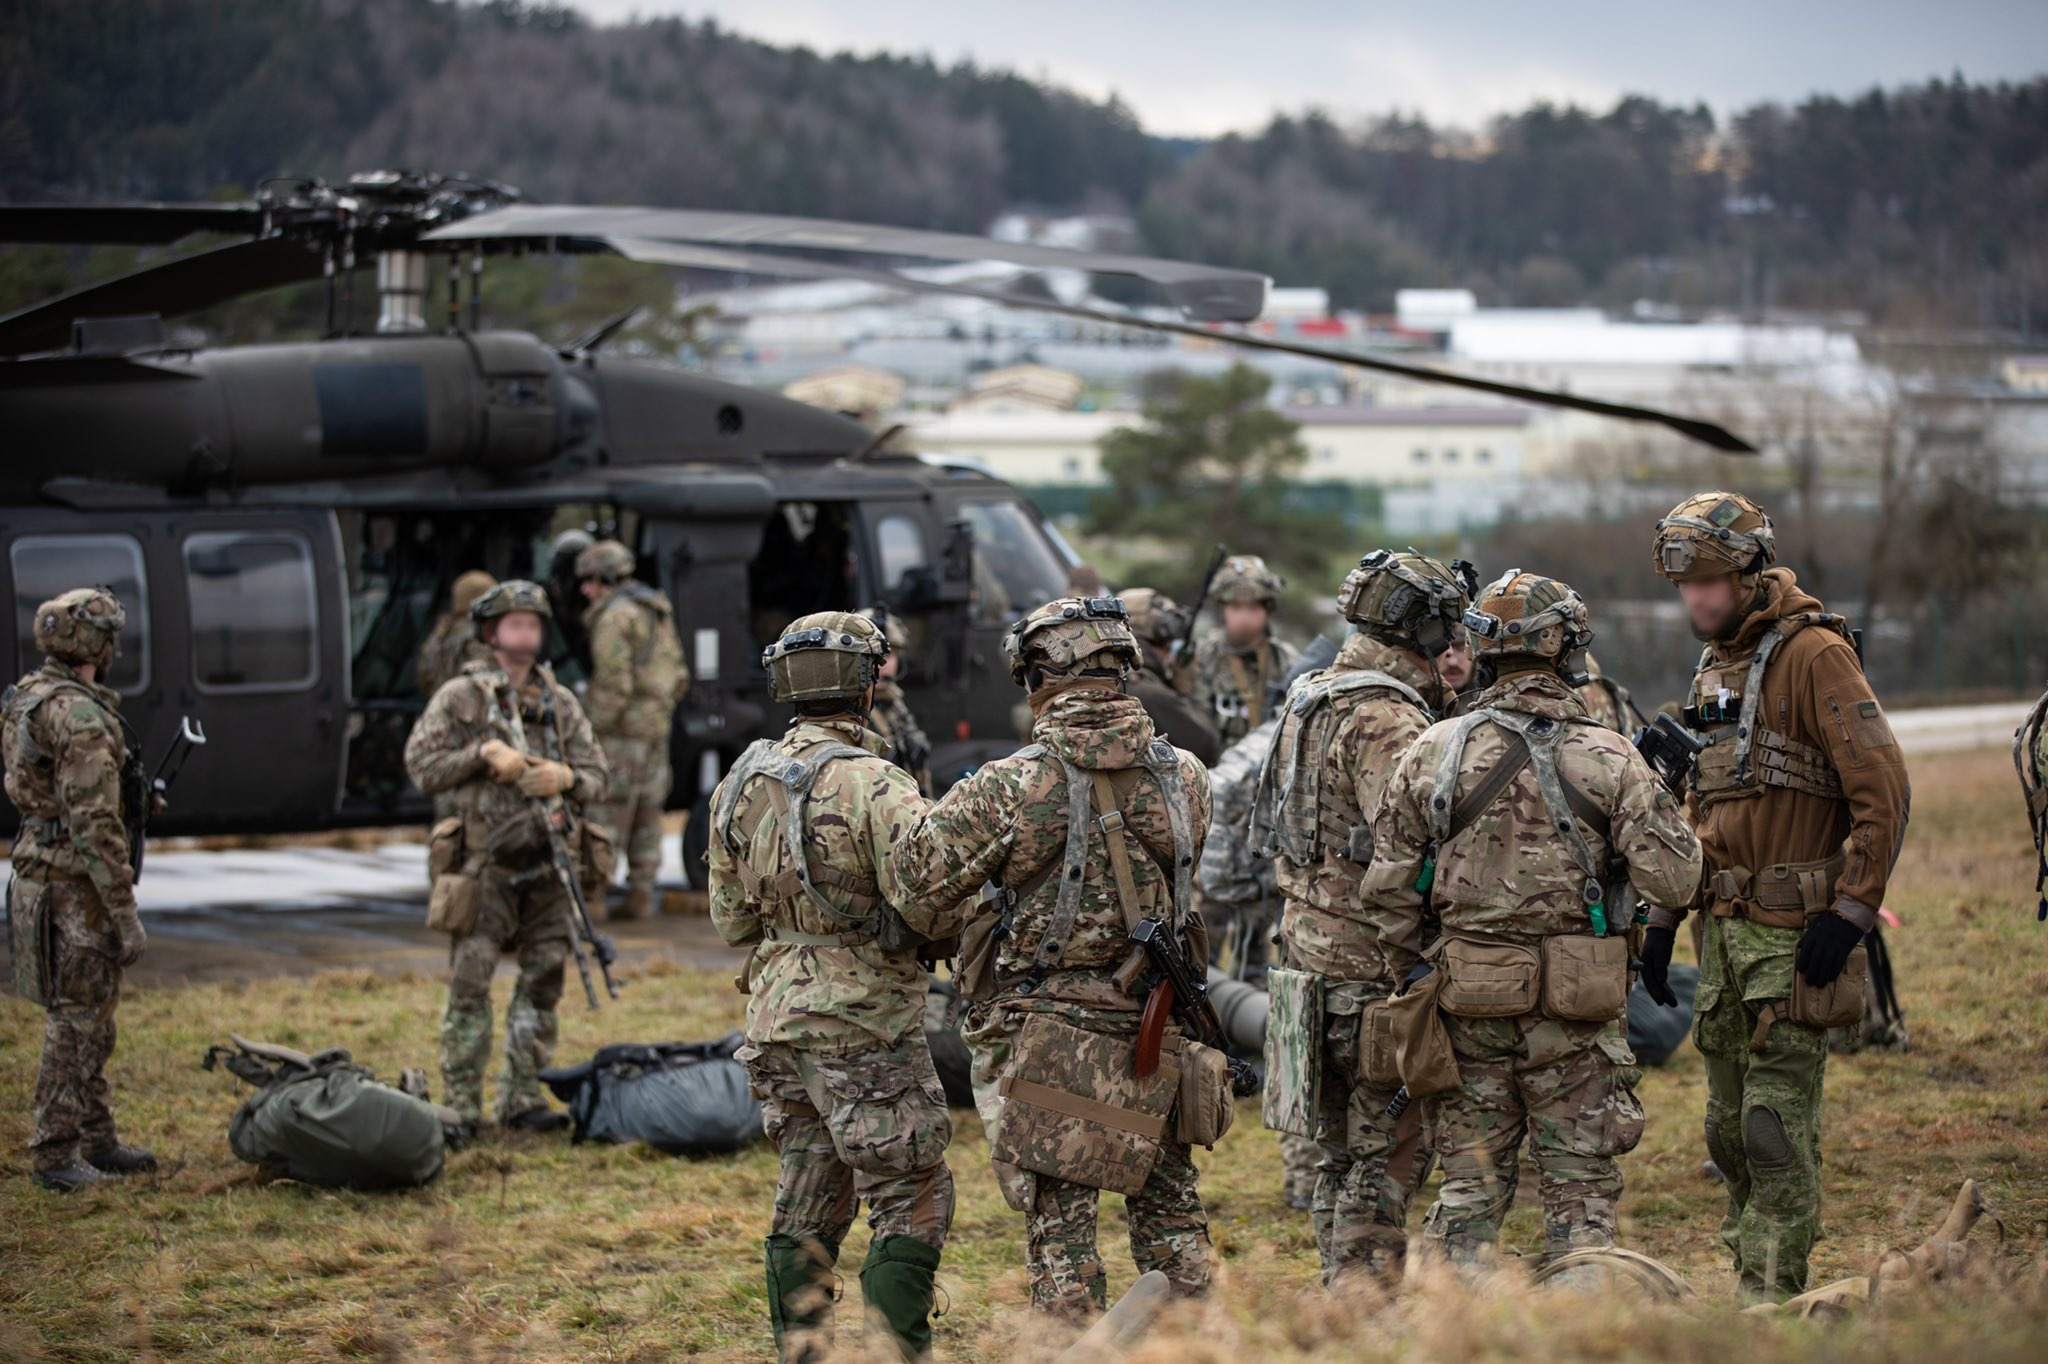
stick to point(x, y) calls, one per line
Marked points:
point(1015, 567)
point(253, 610)
point(804, 564)
point(45, 565)
point(899, 543)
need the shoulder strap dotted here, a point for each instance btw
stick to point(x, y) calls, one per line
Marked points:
point(1115, 835)
point(1073, 870)
point(1541, 736)
point(1475, 802)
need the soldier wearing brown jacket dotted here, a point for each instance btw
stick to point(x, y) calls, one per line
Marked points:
point(1801, 799)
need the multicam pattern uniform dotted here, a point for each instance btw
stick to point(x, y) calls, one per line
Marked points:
point(521, 907)
point(450, 647)
point(909, 749)
point(64, 775)
point(1004, 823)
point(1234, 684)
point(1606, 699)
point(637, 679)
point(1570, 1085)
point(1371, 1165)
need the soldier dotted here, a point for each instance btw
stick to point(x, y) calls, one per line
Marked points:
point(1161, 685)
point(76, 778)
point(1607, 701)
point(1799, 756)
point(637, 679)
point(1342, 731)
point(1454, 664)
point(1235, 669)
point(514, 904)
point(1055, 1035)
point(2030, 756)
point(805, 865)
point(452, 644)
point(890, 716)
point(1510, 821)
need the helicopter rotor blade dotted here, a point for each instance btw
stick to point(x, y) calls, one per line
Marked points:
point(123, 224)
point(766, 263)
point(176, 286)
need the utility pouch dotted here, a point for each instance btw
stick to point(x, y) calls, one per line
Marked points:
point(1075, 1108)
point(451, 909)
point(974, 974)
point(1206, 1105)
point(445, 848)
point(1358, 845)
point(1376, 1052)
point(892, 934)
point(1422, 1044)
point(29, 939)
point(598, 857)
point(1488, 979)
point(1585, 979)
point(1294, 1051)
point(1838, 1004)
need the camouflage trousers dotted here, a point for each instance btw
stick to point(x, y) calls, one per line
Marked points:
point(1763, 1109)
point(852, 1127)
point(1300, 1159)
point(521, 912)
point(632, 810)
point(74, 1117)
point(1371, 1165)
point(1571, 1087)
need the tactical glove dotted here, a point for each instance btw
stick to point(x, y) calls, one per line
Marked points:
point(128, 924)
point(1657, 943)
point(546, 778)
point(505, 762)
point(1824, 949)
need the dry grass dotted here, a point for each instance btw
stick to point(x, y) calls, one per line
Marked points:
point(530, 1249)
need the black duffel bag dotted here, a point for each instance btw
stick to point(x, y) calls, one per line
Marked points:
point(685, 1098)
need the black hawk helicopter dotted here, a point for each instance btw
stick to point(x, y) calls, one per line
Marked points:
point(283, 521)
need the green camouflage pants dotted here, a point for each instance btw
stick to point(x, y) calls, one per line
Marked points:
point(634, 800)
point(1763, 1109)
point(73, 1117)
point(853, 1127)
point(524, 913)
point(1571, 1087)
point(1371, 1165)
point(1169, 1233)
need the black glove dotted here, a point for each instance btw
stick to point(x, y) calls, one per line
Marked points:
point(1824, 949)
point(1657, 944)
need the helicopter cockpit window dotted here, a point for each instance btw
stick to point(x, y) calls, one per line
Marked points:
point(899, 544)
point(45, 565)
point(1015, 567)
point(253, 610)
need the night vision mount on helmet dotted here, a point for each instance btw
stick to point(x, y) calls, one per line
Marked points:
point(828, 656)
point(1407, 598)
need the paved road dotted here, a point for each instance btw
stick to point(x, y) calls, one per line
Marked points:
point(1943, 729)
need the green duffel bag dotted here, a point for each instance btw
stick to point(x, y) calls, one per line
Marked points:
point(322, 1119)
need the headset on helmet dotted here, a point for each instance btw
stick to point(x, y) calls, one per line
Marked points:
point(1711, 535)
point(1068, 636)
point(79, 626)
point(1529, 615)
point(1406, 598)
point(829, 655)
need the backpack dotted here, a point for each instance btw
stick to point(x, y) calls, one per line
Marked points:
point(324, 1120)
point(684, 1098)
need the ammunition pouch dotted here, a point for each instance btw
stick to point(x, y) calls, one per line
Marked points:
point(974, 975)
point(1486, 978)
point(1207, 1105)
point(1585, 979)
point(31, 939)
point(1378, 1058)
point(452, 905)
point(1074, 1108)
point(1838, 1004)
point(1787, 895)
point(1293, 1051)
point(1422, 1044)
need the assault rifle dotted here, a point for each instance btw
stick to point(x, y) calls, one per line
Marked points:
point(155, 794)
point(559, 823)
point(1179, 992)
point(1671, 750)
point(1184, 647)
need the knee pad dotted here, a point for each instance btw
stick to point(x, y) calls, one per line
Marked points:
point(1764, 1140)
point(1719, 1152)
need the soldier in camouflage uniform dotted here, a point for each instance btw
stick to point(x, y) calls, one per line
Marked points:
point(637, 679)
point(1607, 701)
point(1164, 687)
point(1055, 953)
point(1514, 822)
point(1343, 729)
point(72, 898)
point(1799, 757)
point(891, 717)
point(806, 867)
point(2030, 757)
point(452, 644)
point(462, 745)
point(1235, 668)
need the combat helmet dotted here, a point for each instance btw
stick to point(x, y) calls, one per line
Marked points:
point(608, 561)
point(1245, 578)
point(1710, 535)
point(514, 594)
point(891, 625)
point(1070, 637)
point(468, 588)
point(1155, 617)
point(79, 626)
point(1523, 617)
point(1406, 598)
point(825, 656)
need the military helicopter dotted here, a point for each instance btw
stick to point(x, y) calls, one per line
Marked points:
point(283, 521)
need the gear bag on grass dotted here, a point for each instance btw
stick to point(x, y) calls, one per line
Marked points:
point(322, 1119)
point(684, 1098)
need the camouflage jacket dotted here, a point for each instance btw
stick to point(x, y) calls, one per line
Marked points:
point(1231, 872)
point(839, 997)
point(909, 749)
point(65, 747)
point(637, 673)
point(442, 755)
point(1175, 714)
point(1323, 922)
point(1508, 873)
point(1607, 704)
point(1007, 823)
point(452, 646)
point(1233, 685)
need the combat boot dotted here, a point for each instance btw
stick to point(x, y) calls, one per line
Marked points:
point(799, 1297)
point(897, 1282)
point(639, 903)
point(121, 1159)
point(68, 1178)
point(536, 1120)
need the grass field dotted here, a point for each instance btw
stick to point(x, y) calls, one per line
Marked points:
point(531, 1249)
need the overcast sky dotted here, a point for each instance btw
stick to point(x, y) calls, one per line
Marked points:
point(1210, 66)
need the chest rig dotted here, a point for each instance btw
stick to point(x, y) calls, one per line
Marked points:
point(788, 779)
point(1290, 817)
point(1743, 753)
point(43, 816)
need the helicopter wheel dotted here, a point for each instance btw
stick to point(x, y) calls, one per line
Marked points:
point(696, 840)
